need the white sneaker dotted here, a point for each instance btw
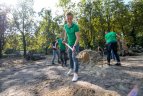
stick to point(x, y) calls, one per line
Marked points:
point(75, 77)
point(70, 71)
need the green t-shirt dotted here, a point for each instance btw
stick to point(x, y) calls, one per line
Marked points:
point(111, 37)
point(61, 45)
point(70, 31)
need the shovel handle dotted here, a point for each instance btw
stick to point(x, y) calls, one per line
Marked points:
point(68, 46)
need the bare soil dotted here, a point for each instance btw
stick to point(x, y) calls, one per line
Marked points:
point(19, 77)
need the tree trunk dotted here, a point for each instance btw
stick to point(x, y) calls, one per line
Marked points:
point(46, 50)
point(108, 23)
point(23, 38)
point(2, 30)
point(91, 31)
point(133, 34)
point(47, 30)
point(122, 29)
point(0, 48)
point(24, 44)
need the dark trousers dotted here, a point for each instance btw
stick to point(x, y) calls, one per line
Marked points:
point(63, 57)
point(112, 55)
point(112, 46)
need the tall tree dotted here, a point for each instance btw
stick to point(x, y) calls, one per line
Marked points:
point(23, 15)
point(3, 25)
point(137, 20)
point(47, 27)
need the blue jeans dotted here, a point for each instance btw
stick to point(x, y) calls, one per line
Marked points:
point(55, 52)
point(73, 60)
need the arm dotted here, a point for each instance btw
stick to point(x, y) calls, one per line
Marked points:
point(65, 36)
point(77, 38)
point(118, 36)
point(56, 44)
point(51, 46)
point(77, 41)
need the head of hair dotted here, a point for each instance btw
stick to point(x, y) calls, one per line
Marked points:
point(65, 22)
point(69, 14)
point(57, 38)
point(107, 31)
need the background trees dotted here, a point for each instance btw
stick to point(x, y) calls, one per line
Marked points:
point(28, 30)
point(3, 25)
point(23, 19)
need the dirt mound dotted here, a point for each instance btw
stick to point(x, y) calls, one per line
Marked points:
point(90, 57)
point(12, 61)
point(17, 91)
point(81, 88)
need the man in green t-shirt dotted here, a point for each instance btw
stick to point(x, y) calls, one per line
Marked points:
point(72, 35)
point(111, 42)
point(63, 54)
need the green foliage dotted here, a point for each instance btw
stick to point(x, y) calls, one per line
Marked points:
point(94, 18)
point(23, 20)
point(10, 51)
point(109, 15)
point(13, 42)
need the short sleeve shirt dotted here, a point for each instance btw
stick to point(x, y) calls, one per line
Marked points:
point(110, 37)
point(70, 31)
point(61, 45)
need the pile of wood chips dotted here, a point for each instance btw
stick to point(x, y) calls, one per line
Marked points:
point(81, 88)
point(90, 57)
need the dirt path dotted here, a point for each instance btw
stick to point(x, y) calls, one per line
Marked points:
point(32, 78)
point(22, 78)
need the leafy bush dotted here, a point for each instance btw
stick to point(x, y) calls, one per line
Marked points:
point(9, 51)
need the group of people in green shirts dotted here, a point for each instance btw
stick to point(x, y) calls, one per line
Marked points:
point(59, 49)
point(72, 37)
